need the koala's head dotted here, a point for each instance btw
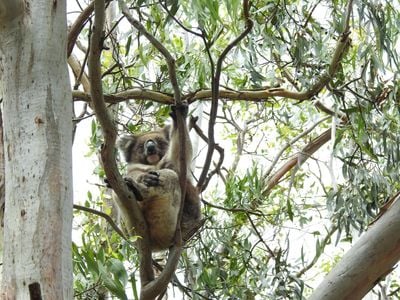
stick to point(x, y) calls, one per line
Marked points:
point(145, 148)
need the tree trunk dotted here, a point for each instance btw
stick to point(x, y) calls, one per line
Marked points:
point(37, 113)
point(2, 185)
point(370, 259)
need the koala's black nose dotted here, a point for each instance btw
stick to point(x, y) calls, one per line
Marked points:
point(151, 147)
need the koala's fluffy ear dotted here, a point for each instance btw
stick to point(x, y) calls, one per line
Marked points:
point(167, 132)
point(125, 144)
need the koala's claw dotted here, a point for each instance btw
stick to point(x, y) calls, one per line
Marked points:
point(132, 187)
point(152, 178)
point(183, 107)
point(108, 185)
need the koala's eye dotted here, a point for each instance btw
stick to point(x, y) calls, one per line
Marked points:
point(139, 147)
point(161, 142)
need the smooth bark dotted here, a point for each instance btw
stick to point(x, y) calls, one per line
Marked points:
point(371, 258)
point(37, 140)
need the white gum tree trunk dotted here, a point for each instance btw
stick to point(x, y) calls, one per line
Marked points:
point(37, 115)
point(369, 260)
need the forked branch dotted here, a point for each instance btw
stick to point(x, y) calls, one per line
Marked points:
point(215, 92)
point(107, 151)
point(158, 285)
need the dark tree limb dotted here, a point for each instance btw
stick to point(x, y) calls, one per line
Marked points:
point(159, 285)
point(215, 93)
point(78, 25)
point(115, 179)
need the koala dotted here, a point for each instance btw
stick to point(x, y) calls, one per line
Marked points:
point(153, 176)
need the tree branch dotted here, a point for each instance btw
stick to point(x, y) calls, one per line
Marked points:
point(160, 47)
point(291, 142)
point(298, 159)
point(220, 150)
point(79, 74)
point(370, 258)
point(106, 217)
point(127, 199)
point(215, 93)
point(78, 25)
point(323, 244)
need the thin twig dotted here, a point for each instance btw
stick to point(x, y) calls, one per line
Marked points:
point(297, 159)
point(160, 47)
point(323, 244)
point(106, 217)
point(291, 142)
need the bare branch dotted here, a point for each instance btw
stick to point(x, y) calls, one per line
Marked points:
point(298, 159)
point(77, 27)
point(290, 143)
point(106, 217)
point(152, 289)
point(79, 73)
point(217, 147)
point(323, 244)
point(215, 92)
point(160, 47)
point(136, 93)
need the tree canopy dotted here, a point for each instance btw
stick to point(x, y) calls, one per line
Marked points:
point(296, 141)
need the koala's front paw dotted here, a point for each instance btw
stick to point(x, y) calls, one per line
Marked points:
point(130, 183)
point(183, 108)
point(152, 178)
point(108, 185)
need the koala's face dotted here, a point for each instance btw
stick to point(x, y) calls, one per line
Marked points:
point(147, 148)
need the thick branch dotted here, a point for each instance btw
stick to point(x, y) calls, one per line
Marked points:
point(371, 257)
point(76, 67)
point(153, 288)
point(136, 94)
point(107, 152)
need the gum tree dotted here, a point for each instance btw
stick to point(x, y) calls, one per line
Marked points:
point(37, 142)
